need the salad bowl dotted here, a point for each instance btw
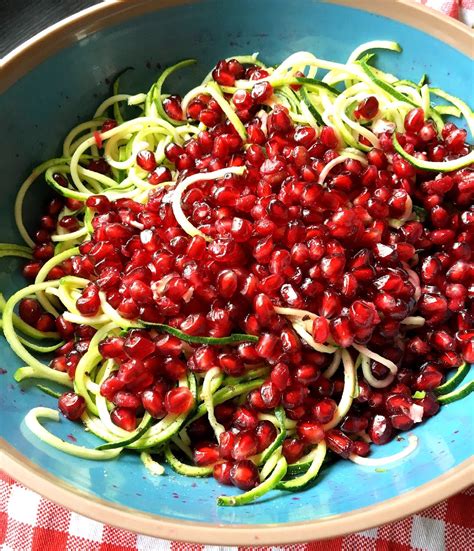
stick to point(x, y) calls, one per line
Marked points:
point(54, 81)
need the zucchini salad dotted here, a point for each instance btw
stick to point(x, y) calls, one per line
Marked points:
point(252, 280)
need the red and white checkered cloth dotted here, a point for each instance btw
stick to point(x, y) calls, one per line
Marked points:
point(28, 522)
point(459, 9)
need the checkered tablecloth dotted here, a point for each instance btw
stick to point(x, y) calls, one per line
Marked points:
point(29, 522)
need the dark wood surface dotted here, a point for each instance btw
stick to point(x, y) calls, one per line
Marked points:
point(21, 19)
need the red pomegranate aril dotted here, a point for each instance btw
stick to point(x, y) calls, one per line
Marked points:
point(264, 309)
point(265, 434)
point(43, 252)
point(30, 270)
point(159, 175)
point(401, 421)
point(310, 431)
point(88, 303)
point(128, 308)
point(293, 449)
point(427, 132)
point(206, 454)
point(172, 107)
point(293, 396)
point(124, 418)
point(328, 137)
point(244, 475)
point(443, 341)
point(111, 347)
point(138, 346)
point(127, 400)
point(45, 323)
point(455, 140)
point(280, 376)
point(429, 404)
point(324, 410)
point(59, 364)
point(354, 424)
point(429, 378)
point(72, 405)
point(146, 160)
point(380, 430)
point(339, 443)
point(307, 374)
point(179, 400)
point(398, 403)
point(266, 345)
point(341, 331)
point(245, 445)
point(414, 120)
point(367, 108)
point(245, 419)
point(361, 448)
point(330, 304)
point(30, 311)
point(270, 394)
point(153, 402)
point(227, 441)
point(221, 472)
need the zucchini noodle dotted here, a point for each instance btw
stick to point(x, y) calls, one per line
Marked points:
point(347, 393)
point(33, 424)
point(182, 186)
point(372, 462)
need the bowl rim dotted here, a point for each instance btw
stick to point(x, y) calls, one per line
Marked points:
point(37, 479)
point(19, 62)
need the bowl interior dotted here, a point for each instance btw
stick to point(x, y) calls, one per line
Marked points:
point(39, 110)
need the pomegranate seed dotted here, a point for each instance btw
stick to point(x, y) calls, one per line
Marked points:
point(380, 430)
point(153, 402)
point(361, 448)
point(127, 400)
point(429, 404)
point(293, 449)
point(72, 405)
point(221, 473)
point(265, 434)
point(205, 454)
point(159, 175)
point(270, 394)
point(310, 431)
point(45, 323)
point(414, 120)
point(244, 475)
point(429, 377)
point(124, 418)
point(172, 106)
point(324, 410)
point(367, 108)
point(261, 91)
point(146, 160)
point(280, 376)
point(179, 400)
point(138, 346)
point(245, 445)
point(226, 444)
point(245, 419)
point(339, 443)
point(30, 311)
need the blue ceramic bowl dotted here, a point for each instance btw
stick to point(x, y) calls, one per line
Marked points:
point(56, 80)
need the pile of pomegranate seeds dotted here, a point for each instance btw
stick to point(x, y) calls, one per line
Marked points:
point(380, 256)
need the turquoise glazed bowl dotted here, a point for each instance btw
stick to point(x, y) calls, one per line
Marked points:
point(57, 79)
